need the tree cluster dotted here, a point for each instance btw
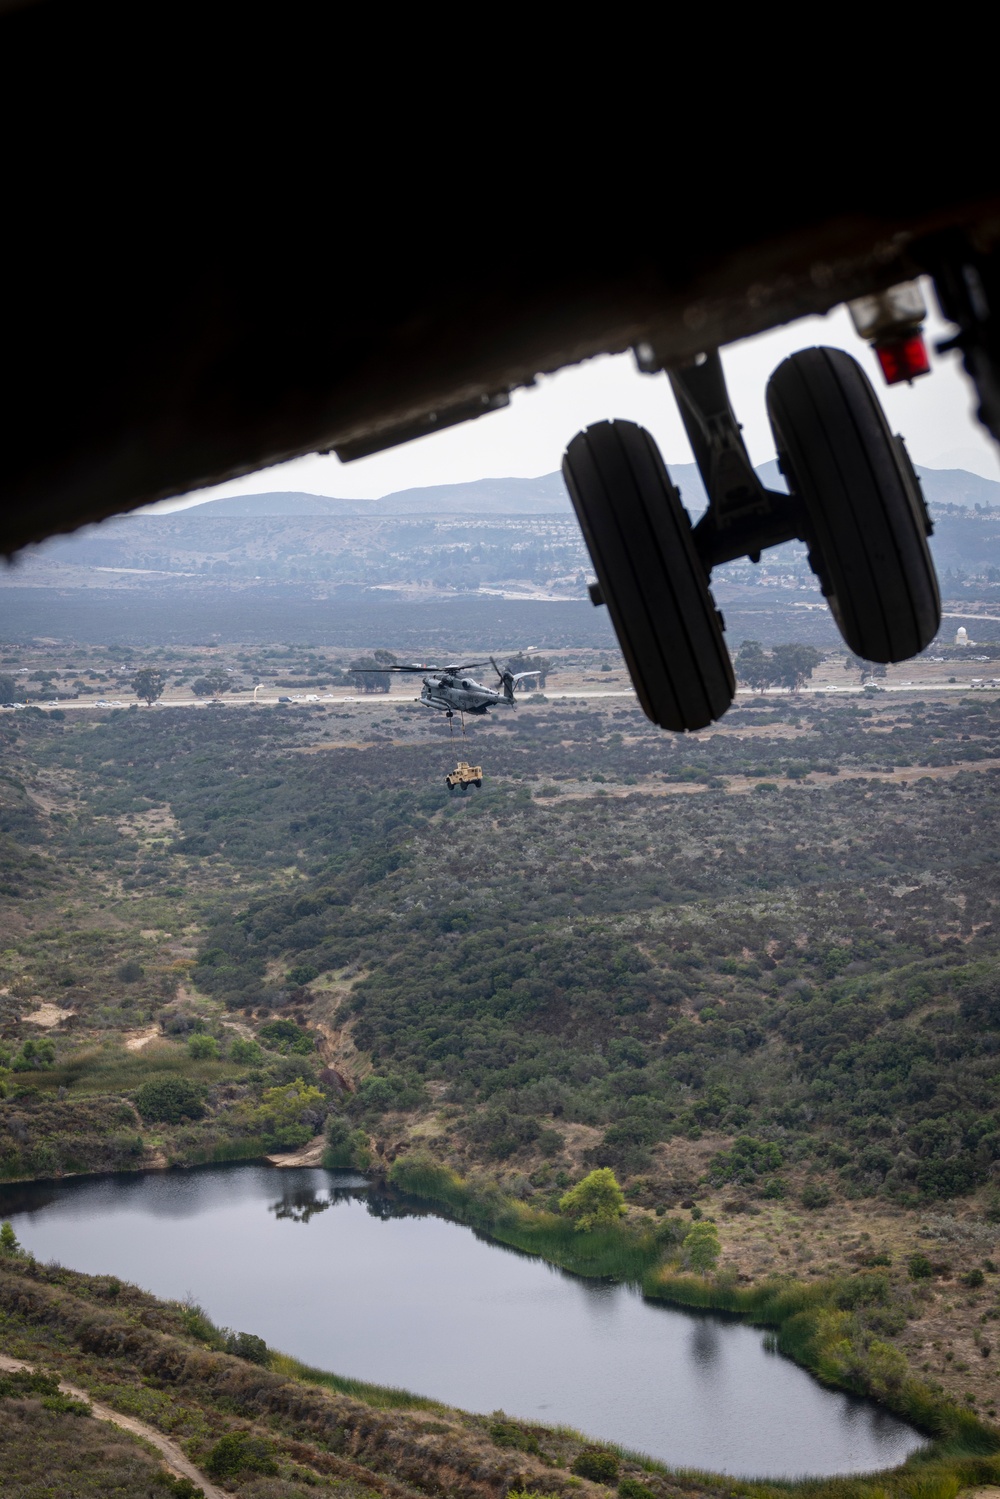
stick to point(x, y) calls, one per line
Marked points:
point(782, 666)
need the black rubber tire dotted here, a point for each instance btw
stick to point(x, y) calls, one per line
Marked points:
point(639, 538)
point(477, 784)
point(867, 523)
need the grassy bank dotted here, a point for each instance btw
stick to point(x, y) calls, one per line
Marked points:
point(838, 1329)
point(382, 1397)
point(619, 1253)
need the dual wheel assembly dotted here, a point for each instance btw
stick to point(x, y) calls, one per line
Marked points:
point(853, 498)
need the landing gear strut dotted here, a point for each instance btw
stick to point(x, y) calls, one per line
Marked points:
point(854, 499)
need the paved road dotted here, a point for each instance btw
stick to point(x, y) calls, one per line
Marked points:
point(390, 700)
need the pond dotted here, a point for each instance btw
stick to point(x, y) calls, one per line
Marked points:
point(370, 1285)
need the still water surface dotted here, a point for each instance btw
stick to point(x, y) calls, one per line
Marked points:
point(375, 1287)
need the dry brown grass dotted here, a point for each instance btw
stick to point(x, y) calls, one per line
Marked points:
point(43, 1452)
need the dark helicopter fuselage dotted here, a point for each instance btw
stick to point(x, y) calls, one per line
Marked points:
point(457, 694)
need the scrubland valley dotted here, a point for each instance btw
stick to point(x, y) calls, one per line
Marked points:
point(754, 972)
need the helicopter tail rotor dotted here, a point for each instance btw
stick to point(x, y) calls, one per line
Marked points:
point(506, 682)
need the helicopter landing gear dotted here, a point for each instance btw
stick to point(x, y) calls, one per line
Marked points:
point(854, 499)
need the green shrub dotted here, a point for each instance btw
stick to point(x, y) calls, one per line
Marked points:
point(203, 1048)
point(814, 1195)
point(199, 1325)
point(35, 1056)
point(380, 1092)
point(919, 1267)
point(238, 1452)
point(169, 1100)
point(286, 1036)
point(303, 974)
point(631, 1488)
point(22, 1382)
point(346, 1148)
point(701, 1247)
point(506, 1434)
point(247, 1345)
point(974, 1279)
point(65, 1405)
point(597, 1464)
point(745, 1160)
point(245, 1052)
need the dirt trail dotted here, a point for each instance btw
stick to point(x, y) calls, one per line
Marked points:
point(138, 1039)
point(173, 1455)
point(47, 1015)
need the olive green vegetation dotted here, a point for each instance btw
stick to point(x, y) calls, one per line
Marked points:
point(814, 970)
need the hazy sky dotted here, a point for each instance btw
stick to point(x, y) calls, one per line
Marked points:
point(528, 438)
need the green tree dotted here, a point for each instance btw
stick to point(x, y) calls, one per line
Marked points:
point(794, 663)
point(595, 1202)
point(542, 664)
point(213, 684)
point(8, 1240)
point(8, 688)
point(866, 670)
point(753, 666)
point(702, 1248)
point(289, 1116)
point(148, 683)
point(35, 1056)
point(366, 673)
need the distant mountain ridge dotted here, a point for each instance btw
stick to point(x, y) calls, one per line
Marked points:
point(545, 495)
point(542, 496)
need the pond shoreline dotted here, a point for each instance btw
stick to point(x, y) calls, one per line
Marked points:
point(799, 1313)
point(810, 1321)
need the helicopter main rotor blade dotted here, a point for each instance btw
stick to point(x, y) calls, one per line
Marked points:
point(383, 671)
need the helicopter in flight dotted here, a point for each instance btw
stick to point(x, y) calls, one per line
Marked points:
point(449, 689)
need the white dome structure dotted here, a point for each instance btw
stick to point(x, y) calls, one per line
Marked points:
point(962, 636)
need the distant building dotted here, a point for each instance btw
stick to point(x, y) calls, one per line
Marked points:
point(962, 636)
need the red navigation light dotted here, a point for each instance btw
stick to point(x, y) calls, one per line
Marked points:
point(902, 358)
